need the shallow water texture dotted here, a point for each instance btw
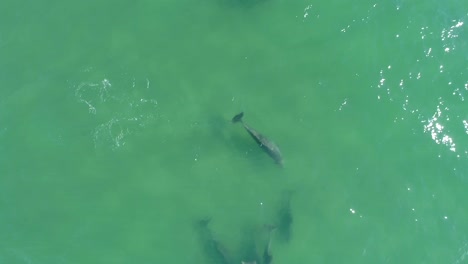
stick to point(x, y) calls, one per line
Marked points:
point(116, 137)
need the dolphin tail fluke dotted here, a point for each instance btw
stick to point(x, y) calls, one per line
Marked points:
point(238, 117)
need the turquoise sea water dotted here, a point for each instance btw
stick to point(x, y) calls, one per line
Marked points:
point(115, 133)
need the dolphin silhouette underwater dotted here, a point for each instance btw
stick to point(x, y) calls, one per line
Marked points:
point(267, 145)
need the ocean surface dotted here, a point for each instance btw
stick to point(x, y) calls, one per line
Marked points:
point(117, 146)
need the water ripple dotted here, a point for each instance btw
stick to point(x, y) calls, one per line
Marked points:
point(121, 104)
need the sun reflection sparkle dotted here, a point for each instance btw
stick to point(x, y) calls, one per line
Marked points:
point(450, 33)
point(436, 129)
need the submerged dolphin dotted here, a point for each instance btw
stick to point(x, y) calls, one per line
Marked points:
point(215, 251)
point(285, 218)
point(267, 256)
point(267, 145)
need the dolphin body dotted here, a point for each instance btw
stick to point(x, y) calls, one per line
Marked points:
point(284, 217)
point(213, 248)
point(268, 146)
point(267, 256)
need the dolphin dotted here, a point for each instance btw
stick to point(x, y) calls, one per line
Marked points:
point(284, 217)
point(267, 256)
point(268, 146)
point(213, 248)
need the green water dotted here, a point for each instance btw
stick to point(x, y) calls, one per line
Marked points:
point(115, 135)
